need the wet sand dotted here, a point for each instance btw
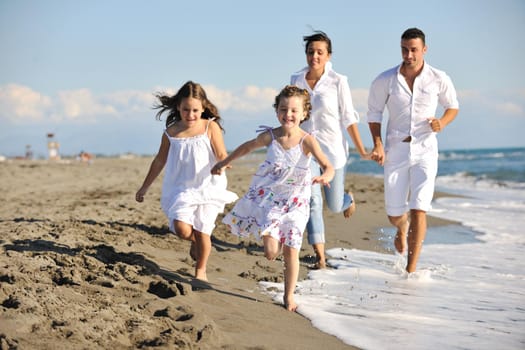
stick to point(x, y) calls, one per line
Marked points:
point(84, 266)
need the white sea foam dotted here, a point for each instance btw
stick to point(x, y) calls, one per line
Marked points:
point(468, 292)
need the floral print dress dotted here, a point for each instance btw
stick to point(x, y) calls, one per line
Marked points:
point(278, 200)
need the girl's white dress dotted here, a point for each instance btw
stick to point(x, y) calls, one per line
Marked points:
point(190, 193)
point(278, 200)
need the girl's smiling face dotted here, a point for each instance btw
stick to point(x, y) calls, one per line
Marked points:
point(290, 111)
point(190, 110)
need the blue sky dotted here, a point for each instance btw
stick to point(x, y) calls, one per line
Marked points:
point(87, 70)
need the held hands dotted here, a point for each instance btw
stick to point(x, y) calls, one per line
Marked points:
point(378, 154)
point(372, 155)
point(367, 156)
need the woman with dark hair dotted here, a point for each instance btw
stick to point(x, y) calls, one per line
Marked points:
point(332, 116)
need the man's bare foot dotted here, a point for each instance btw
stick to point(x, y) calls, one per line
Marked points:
point(290, 304)
point(351, 209)
point(400, 242)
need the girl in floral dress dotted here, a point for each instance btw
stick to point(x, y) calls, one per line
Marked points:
point(276, 206)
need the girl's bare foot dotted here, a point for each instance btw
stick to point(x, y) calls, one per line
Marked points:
point(290, 304)
point(351, 209)
point(201, 275)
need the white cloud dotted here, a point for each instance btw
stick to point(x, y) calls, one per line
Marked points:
point(250, 99)
point(22, 104)
point(221, 98)
point(510, 108)
point(360, 101)
point(131, 100)
point(81, 104)
point(500, 104)
point(468, 94)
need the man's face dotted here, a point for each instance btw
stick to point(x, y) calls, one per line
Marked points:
point(412, 51)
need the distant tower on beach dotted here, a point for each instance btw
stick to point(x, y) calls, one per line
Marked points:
point(29, 152)
point(52, 147)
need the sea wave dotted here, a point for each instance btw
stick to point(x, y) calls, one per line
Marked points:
point(499, 167)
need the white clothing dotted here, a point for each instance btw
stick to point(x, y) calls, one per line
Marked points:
point(278, 200)
point(404, 177)
point(410, 167)
point(408, 111)
point(190, 193)
point(332, 112)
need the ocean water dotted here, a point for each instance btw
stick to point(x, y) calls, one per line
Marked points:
point(469, 290)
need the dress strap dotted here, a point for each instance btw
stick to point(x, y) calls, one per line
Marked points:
point(263, 128)
point(208, 123)
point(302, 138)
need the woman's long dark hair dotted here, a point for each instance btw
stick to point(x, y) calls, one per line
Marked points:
point(317, 36)
point(169, 103)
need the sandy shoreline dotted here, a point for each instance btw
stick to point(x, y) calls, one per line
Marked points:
point(83, 266)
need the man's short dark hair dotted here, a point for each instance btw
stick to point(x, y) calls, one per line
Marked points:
point(413, 33)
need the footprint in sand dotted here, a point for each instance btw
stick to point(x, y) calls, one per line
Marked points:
point(164, 290)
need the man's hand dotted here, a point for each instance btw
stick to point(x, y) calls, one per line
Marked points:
point(378, 154)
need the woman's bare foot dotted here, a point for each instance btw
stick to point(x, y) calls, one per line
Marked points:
point(290, 304)
point(320, 257)
point(320, 265)
point(351, 209)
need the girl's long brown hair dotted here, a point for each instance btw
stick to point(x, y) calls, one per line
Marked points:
point(168, 104)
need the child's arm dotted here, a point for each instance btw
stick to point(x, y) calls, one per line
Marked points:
point(217, 141)
point(155, 168)
point(260, 141)
point(311, 145)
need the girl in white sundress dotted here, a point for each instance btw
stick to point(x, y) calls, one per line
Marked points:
point(191, 196)
point(276, 206)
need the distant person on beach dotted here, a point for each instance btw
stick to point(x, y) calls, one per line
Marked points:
point(277, 204)
point(191, 144)
point(332, 116)
point(85, 157)
point(411, 92)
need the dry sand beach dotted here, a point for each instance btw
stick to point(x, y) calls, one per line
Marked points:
point(84, 266)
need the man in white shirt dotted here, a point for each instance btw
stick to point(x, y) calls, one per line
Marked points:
point(411, 92)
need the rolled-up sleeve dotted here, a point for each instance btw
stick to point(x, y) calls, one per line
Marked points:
point(348, 114)
point(447, 96)
point(377, 98)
